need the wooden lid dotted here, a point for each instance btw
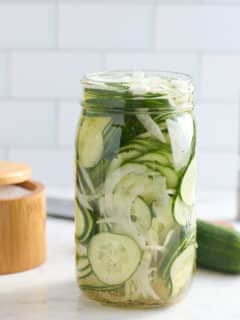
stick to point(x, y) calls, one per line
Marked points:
point(11, 173)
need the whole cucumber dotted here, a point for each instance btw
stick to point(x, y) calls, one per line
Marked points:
point(218, 248)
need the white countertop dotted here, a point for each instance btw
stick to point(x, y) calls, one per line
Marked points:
point(50, 291)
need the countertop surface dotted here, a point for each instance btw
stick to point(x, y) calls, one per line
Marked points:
point(50, 291)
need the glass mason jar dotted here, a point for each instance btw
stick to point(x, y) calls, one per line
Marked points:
point(135, 188)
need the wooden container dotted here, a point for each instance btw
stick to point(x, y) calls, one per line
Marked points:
point(22, 221)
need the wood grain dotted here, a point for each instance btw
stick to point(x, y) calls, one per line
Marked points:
point(22, 230)
point(11, 173)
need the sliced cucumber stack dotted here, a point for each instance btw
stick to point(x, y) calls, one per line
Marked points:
point(84, 268)
point(83, 263)
point(122, 158)
point(167, 172)
point(159, 158)
point(84, 223)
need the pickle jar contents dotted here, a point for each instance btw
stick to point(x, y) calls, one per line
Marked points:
point(135, 188)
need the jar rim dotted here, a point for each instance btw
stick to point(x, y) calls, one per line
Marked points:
point(131, 87)
point(124, 77)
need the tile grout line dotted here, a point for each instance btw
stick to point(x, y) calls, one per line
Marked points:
point(56, 24)
point(38, 99)
point(38, 148)
point(149, 50)
point(126, 2)
point(153, 29)
point(56, 123)
point(8, 74)
point(199, 73)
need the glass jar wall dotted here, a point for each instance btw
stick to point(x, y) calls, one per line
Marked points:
point(135, 188)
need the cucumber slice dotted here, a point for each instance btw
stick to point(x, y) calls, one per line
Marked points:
point(80, 222)
point(164, 218)
point(148, 185)
point(114, 177)
point(121, 158)
point(84, 273)
point(81, 194)
point(134, 146)
point(97, 175)
point(81, 250)
point(113, 257)
point(174, 243)
point(83, 263)
point(90, 228)
point(170, 175)
point(85, 181)
point(103, 227)
point(166, 154)
point(181, 131)
point(141, 215)
point(152, 144)
point(85, 224)
point(182, 212)
point(182, 269)
point(92, 283)
point(154, 157)
point(99, 288)
point(138, 192)
point(187, 189)
point(90, 140)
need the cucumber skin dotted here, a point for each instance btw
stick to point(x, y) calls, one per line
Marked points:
point(89, 229)
point(218, 248)
point(99, 288)
point(85, 275)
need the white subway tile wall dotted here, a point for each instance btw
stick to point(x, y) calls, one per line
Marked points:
point(53, 74)
point(53, 166)
point(197, 28)
point(3, 155)
point(106, 26)
point(27, 123)
point(26, 25)
point(220, 76)
point(69, 114)
point(217, 170)
point(217, 125)
point(46, 47)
